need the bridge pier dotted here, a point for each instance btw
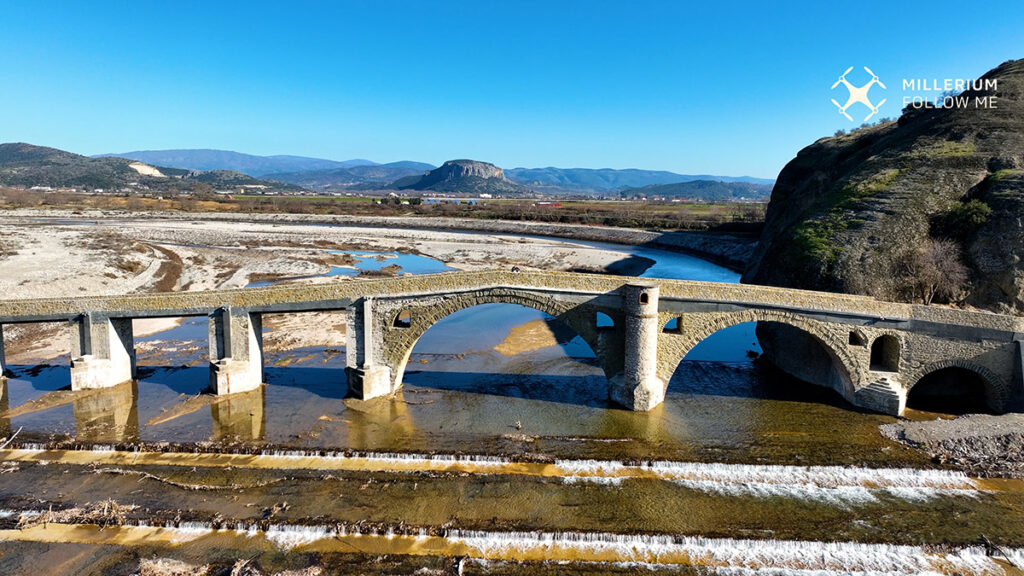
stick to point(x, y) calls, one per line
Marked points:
point(102, 352)
point(368, 376)
point(3, 368)
point(638, 387)
point(236, 351)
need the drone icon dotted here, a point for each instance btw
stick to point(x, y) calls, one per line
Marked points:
point(858, 94)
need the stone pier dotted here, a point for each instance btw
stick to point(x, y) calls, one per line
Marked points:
point(236, 351)
point(102, 352)
point(639, 387)
point(368, 377)
point(3, 365)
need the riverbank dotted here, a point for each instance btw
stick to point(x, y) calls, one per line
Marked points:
point(732, 251)
point(979, 444)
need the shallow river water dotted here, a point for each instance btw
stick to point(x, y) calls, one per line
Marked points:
point(498, 454)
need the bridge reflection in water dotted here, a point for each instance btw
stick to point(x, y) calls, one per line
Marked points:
point(639, 330)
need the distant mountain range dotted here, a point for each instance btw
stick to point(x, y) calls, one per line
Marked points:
point(607, 179)
point(164, 170)
point(359, 174)
point(256, 166)
point(702, 190)
point(367, 176)
point(28, 165)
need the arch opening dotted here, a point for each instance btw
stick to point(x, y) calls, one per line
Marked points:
point(672, 326)
point(885, 354)
point(764, 359)
point(505, 349)
point(953, 390)
point(604, 321)
point(402, 320)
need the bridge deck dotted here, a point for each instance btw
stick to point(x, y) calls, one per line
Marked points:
point(676, 295)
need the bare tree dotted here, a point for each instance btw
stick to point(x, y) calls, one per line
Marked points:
point(933, 271)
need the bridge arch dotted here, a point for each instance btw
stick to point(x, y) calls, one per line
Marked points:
point(690, 334)
point(399, 342)
point(996, 390)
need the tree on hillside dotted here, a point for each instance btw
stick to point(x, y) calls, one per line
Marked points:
point(933, 272)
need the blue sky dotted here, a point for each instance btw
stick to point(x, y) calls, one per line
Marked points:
point(707, 87)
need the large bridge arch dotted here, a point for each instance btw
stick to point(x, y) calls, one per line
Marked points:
point(399, 339)
point(694, 328)
point(997, 391)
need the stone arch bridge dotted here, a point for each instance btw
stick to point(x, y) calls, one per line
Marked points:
point(874, 352)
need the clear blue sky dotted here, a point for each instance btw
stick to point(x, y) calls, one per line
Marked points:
point(703, 87)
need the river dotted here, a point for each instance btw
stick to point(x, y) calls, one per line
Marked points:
point(502, 448)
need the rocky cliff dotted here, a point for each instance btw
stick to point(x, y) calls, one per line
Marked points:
point(927, 207)
point(463, 177)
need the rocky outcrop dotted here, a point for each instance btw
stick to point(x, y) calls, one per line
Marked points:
point(453, 169)
point(463, 177)
point(847, 213)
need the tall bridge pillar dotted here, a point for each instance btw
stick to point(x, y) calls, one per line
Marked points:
point(236, 351)
point(368, 376)
point(1016, 394)
point(3, 369)
point(639, 387)
point(102, 352)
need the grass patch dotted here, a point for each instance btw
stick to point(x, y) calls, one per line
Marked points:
point(1003, 174)
point(814, 240)
point(946, 149)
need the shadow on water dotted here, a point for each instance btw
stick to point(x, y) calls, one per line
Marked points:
point(177, 379)
point(754, 380)
point(590, 391)
point(322, 382)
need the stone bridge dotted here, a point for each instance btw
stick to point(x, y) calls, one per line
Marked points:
point(871, 352)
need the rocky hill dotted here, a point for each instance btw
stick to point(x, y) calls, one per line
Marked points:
point(926, 208)
point(463, 177)
point(29, 166)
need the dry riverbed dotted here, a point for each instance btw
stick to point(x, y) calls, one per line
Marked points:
point(54, 254)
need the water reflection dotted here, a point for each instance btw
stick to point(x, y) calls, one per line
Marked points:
point(5, 423)
point(382, 421)
point(240, 416)
point(107, 414)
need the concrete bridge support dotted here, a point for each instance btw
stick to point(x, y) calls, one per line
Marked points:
point(368, 376)
point(639, 388)
point(3, 368)
point(102, 352)
point(236, 351)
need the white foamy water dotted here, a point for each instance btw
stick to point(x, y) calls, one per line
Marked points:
point(832, 484)
point(725, 556)
point(757, 555)
point(827, 483)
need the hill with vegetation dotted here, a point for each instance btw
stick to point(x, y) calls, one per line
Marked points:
point(468, 177)
point(256, 166)
point(926, 208)
point(702, 191)
point(375, 176)
point(552, 179)
point(29, 166)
